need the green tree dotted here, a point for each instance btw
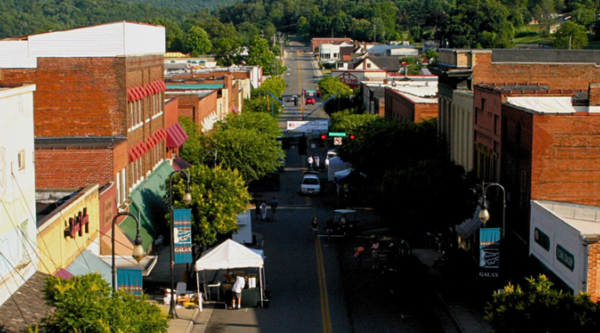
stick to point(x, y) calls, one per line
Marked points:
point(196, 41)
point(345, 121)
point(543, 12)
point(247, 143)
point(259, 54)
point(85, 303)
point(541, 309)
point(329, 86)
point(570, 36)
point(275, 85)
point(219, 195)
point(193, 149)
point(227, 50)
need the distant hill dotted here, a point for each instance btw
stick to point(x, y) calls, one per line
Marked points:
point(189, 5)
point(26, 17)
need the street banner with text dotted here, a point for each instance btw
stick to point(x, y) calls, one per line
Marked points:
point(489, 250)
point(308, 126)
point(182, 234)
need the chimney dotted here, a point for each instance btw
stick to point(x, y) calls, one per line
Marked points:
point(594, 94)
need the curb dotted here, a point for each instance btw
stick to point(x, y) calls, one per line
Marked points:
point(450, 312)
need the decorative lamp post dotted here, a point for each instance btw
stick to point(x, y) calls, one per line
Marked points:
point(187, 199)
point(484, 214)
point(138, 249)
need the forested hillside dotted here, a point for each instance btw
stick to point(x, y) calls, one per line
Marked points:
point(191, 5)
point(25, 17)
point(456, 23)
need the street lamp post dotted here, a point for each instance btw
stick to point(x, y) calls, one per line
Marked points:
point(484, 214)
point(187, 198)
point(214, 152)
point(138, 250)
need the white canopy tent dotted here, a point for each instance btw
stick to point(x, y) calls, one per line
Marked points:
point(231, 254)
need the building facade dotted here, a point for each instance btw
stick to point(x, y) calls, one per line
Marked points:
point(18, 243)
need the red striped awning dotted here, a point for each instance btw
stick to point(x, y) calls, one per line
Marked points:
point(139, 93)
point(130, 95)
point(163, 85)
point(133, 155)
point(149, 142)
point(176, 136)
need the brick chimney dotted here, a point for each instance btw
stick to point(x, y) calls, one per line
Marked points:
point(594, 94)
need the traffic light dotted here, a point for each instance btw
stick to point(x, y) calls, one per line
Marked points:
point(352, 137)
point(302, 146)
point(319, 93)
point(323, 141)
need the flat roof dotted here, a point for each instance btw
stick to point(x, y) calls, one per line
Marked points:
point(585, 219)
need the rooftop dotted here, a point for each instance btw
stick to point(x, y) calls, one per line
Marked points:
point(585, 219)
point(194, 86)
point(550, 105)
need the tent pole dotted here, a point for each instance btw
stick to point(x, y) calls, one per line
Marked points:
point(199, 293)
point(261, 287)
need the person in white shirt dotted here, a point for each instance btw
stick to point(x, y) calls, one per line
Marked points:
point(237, 288)
point(310, 163)
point(317, 163)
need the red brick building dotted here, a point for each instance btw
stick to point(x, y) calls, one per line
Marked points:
point(411, 103)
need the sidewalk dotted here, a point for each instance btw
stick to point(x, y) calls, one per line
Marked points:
point(465, 318)
point(190, 320)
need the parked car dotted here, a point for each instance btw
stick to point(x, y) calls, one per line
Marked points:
point(310, 183)
point(310, 100)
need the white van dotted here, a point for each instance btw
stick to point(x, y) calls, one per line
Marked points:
point(310, 183)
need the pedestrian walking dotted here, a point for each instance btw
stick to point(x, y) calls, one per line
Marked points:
point(257, 212)
point(317, 163)
point(329, 227)
point(314, 224)
point(375, 254)
point(358, 256)
point(274, 205)
point(310, 163)
point(263, 210)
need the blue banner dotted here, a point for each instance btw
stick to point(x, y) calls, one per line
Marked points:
point(182, 234)
point(130, 280)
point(489, 247)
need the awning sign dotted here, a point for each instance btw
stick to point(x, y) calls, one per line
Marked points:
point(182, 234)
point(308, 126)
point(489, 251)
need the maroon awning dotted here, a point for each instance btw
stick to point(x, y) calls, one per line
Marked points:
point(235, 109)
point(63, 273)
point(176, 136)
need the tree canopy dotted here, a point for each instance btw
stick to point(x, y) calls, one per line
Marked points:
point(570, 35)
point(84, 303)
point(218, 196)
point(541, 308)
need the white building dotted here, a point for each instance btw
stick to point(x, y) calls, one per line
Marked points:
point(18, 239)
point(565, 239)
point(331, 51)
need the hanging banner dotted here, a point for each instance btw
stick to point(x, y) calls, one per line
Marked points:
point(130, 280)
point(182, 234)
point(489, 251)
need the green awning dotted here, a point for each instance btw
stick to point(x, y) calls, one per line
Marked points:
point(148, 204)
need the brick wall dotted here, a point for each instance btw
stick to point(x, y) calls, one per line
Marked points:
point(76, 96)
point(516, 164)
point(557, 75)
point(171, 111)
point(56, 250)
point(70, 168)
point(566, 159)
point(593, 276)
point(398, 106)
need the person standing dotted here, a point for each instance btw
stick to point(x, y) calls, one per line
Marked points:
point(274, 205)
point(310, 163)
point(314, 224)
point(375, 254)
point(257, 210)
point(317, 163)
point(263, 210)
point(237, 288)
